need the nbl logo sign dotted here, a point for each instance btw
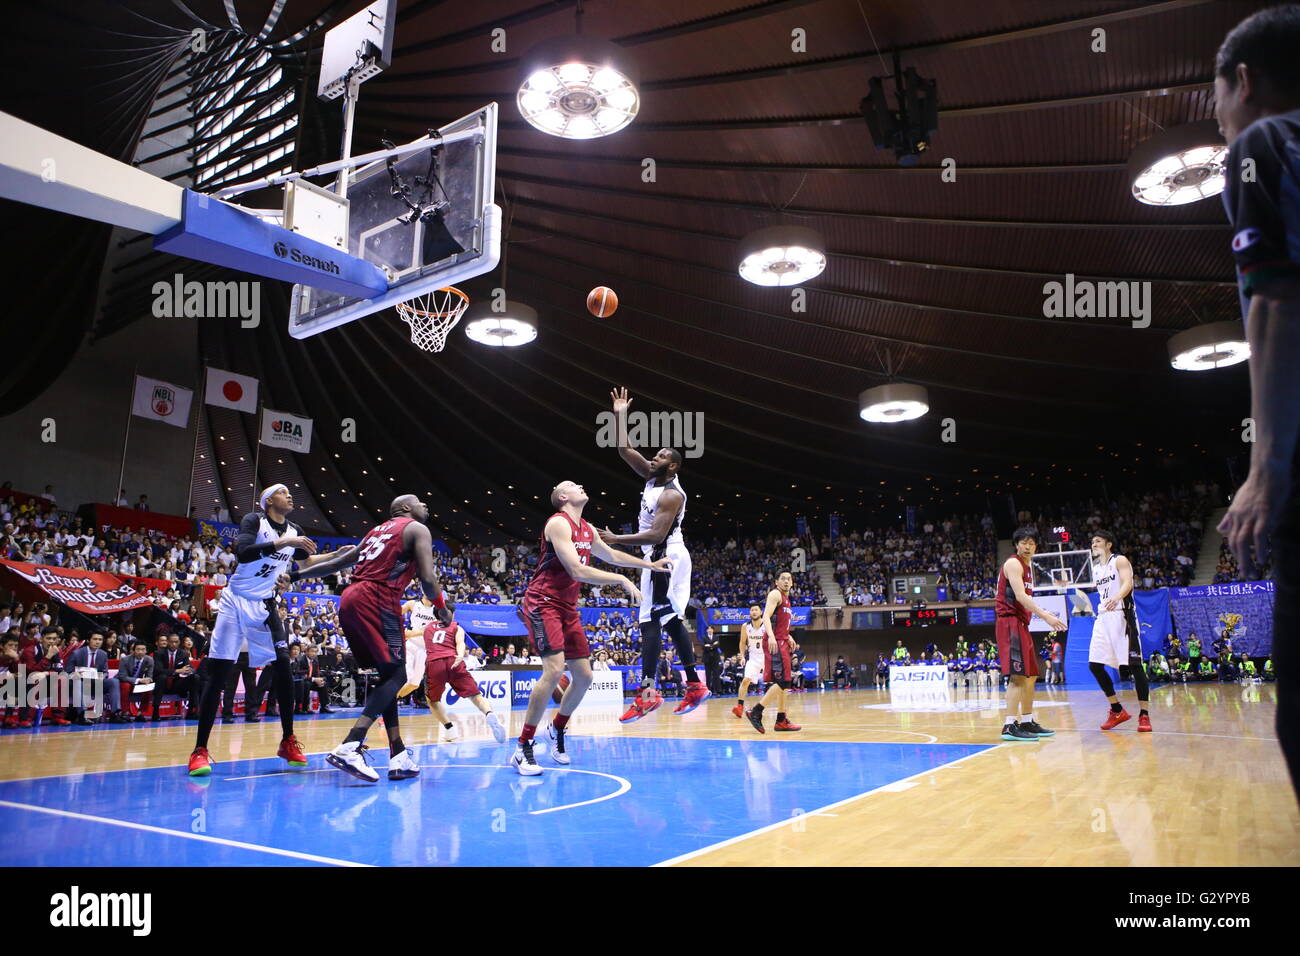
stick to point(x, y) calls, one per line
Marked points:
point(163, 400)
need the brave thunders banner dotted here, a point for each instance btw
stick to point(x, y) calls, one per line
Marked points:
point(91, 592)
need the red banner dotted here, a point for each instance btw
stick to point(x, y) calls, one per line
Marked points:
point(91, 592)
point(210, 591)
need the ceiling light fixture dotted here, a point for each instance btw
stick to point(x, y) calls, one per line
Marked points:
point(1212, 345)
point(578, 87)
point(1179, 165)
point(782, 256)
point(515, 325)
point(893, 402)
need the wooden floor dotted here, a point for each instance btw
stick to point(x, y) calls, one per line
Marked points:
point(1208, 788)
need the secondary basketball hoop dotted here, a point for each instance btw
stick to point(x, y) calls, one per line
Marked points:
point(433, 315)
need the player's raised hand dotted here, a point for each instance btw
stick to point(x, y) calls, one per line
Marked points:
point(632, 590)
point(299, 542)
point(663, 565)
point(618, 397)
point(607, 536)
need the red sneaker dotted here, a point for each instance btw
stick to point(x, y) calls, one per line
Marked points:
point(291, 751)
point(696, 694)
point(1144, 724)
point(1116, 718)
point(640, 707)
point(786, 725)
point(200, 763)
point(25, 723)
point(738, 710)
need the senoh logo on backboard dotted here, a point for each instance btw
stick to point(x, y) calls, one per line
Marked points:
point(302, 258)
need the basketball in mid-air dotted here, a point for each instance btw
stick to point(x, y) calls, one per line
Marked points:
point(602, 301)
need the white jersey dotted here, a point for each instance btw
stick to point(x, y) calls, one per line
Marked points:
point(755, 636)
point(421, 616)
point(1106, 578)
point(256, 579)
point(650, 505)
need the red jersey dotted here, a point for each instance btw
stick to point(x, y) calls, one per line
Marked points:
point(550, 582)
point(440, 641)
point(781, 619)
point(1007, 605)
point(382, 559)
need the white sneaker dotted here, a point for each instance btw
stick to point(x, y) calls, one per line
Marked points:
point(351, 758)
point(494, 724)
point(403, 766)
point(451, 733)
point(524, 760)
point(557, 748)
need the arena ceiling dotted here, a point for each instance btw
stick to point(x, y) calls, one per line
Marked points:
point(932, 282)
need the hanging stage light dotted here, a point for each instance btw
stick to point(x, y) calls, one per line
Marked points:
point(578, 87)
point(782, 256)
point(893, 402)
point(1179, 165)
point(516, 324)
point(1212, 345)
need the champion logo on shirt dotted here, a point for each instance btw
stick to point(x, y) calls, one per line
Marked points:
point(1245, 239)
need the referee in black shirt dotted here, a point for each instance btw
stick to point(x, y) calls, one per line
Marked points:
point(1257, 102)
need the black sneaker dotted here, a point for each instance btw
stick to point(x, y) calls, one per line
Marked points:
point(1037, 729)
point(1017, 732)
point(756, 720)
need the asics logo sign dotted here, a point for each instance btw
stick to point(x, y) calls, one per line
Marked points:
point(491, 688)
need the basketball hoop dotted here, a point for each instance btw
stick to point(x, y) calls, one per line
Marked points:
point(433, 315)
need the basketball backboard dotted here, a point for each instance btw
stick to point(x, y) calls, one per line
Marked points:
point(358, 48)
point(1056, 571)
point(459, 237)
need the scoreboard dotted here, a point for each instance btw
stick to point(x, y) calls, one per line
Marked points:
point(921, 616)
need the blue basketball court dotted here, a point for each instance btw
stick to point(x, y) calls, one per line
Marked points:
point(626, 800)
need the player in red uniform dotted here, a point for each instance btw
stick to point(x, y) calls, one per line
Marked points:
point(444, 663)
point(776, 656)
point(550, 612)
point(370, 616)
point(1016, 651)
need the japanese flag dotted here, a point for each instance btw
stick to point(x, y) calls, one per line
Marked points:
point(231, 391)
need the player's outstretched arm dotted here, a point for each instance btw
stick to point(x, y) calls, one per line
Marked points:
point(416, 540)
point(670, 503)
point(636, 461)
point(603, 552)
point(560, 536)
point(1016, 576)
point(323, 565)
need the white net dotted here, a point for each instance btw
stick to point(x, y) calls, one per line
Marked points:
point(433, 315)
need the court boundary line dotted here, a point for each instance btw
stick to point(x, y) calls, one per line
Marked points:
point(682, 858)
point(201, 837)
point(797, 740)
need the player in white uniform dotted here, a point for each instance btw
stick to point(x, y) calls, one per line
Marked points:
point(247, 618)
point(663, 598)
point(752, 636)
point(1115, 639)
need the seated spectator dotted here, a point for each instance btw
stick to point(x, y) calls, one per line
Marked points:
point(42, 663)
point(669, 680)
point(842, 675)
point(9, 659)
point(602, 661)
point(91, 656)
point(133, 670)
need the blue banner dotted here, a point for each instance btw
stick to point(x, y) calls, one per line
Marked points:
point(835, 527)
point(799, 616)
point(491, 620)
point(1241, 611)
point(801, 526)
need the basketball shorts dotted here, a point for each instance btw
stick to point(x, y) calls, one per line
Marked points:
point(754, 667)
point(251, 620)
point(1115, 640)
point(439, 672)
point(666, 595)
point(1016, 648)
point(370, 616)
point(776, 667)
point(553, 628)
point(415, 656)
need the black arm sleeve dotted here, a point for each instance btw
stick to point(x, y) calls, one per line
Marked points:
point(246, 549)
